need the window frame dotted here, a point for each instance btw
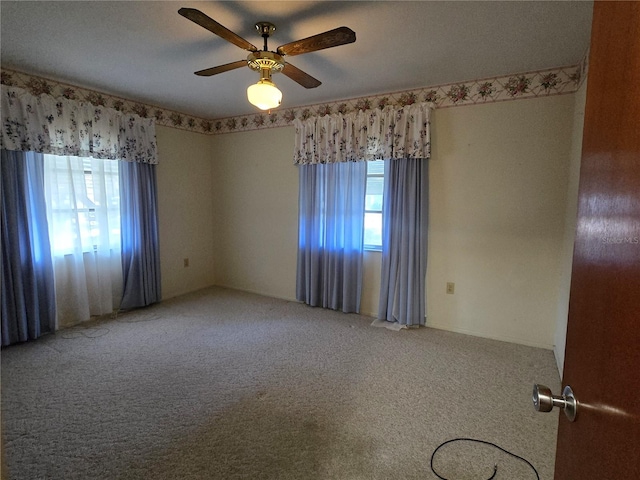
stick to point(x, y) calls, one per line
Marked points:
point(366, 246)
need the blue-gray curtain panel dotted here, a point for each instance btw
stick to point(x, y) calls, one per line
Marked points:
point(404, 241)
point(139, 231)
point(28, 297)
point(330, 235)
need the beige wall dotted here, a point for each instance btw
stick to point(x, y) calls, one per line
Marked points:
point(498, 206)
point(372, 265)
point(185, 202)
point(560, 336)
point(256, 211)
point(498, 180)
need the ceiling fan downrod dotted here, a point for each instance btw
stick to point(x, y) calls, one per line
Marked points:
point(265, 29)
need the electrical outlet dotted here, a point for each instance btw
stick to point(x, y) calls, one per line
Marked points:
point(451, 287)
point(186, 262)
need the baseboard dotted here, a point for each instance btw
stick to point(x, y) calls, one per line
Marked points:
point(279, 297)
point(255, 292)
point(502, 338)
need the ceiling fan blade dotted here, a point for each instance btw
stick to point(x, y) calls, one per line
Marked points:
point(297, 75)
point(207, 72)
point(332, 38)
point(210, 24)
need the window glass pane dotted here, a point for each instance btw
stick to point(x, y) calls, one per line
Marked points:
point(373, 198)
point(375, 167)
point(373, 229)
point(375, 185)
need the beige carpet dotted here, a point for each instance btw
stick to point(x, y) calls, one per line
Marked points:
point(222, 384)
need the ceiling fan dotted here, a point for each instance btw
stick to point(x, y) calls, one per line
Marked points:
point(264, 94)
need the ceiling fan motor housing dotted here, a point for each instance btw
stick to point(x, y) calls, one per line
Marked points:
point(262, 60)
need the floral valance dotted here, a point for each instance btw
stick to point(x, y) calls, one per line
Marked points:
point(391, 132)
point(67, 127)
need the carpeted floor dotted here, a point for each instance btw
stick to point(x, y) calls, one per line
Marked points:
point(222, 384)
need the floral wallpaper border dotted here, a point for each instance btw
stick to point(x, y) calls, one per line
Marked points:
point(541, 83)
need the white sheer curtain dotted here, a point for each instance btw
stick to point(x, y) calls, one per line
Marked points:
point(83, 211)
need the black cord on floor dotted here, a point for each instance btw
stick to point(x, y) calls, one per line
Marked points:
point(495, 467)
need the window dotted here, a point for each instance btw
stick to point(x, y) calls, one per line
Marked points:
point(373, 205)
point(83, 203)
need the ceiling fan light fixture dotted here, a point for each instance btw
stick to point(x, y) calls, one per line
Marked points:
point(264, 94)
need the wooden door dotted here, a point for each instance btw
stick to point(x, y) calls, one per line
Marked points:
point(602, 362)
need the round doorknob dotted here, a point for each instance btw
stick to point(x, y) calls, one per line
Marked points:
point(544, 400)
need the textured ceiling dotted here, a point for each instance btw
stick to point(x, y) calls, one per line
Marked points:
point(145, 51)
